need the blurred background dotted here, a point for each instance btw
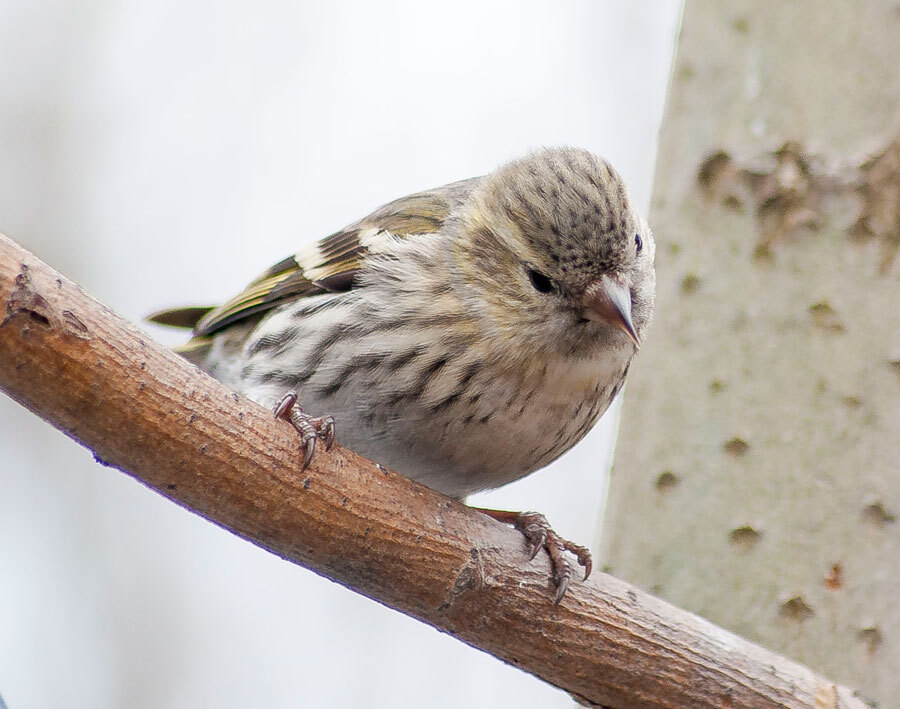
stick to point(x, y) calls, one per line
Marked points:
point(166, 153)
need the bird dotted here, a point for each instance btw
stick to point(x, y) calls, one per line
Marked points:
point(464, 336)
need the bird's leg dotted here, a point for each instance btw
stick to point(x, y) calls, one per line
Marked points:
point(538, 533)
point(309, 428)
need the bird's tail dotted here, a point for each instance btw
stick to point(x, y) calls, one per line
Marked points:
point(185, 318)
point(196, 349)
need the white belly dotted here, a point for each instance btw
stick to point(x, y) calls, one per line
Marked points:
point(466, 426)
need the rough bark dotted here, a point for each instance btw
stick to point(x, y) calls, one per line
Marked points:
point(147, 412)
point(757, 479)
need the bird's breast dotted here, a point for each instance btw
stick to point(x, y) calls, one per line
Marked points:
point(518, 424)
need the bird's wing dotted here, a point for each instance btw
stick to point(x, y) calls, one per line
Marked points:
point(328, 265)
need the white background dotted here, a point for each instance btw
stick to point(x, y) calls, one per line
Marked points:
point(165, 153)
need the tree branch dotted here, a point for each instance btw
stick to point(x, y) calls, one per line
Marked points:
point(147, 412)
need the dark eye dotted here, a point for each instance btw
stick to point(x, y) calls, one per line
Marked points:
point(541, 283)
point(638, 242)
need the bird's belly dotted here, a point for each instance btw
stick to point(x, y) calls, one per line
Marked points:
point(457, 425)
point(465, 449)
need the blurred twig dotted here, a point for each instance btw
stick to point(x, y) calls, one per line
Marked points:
point(147, 412)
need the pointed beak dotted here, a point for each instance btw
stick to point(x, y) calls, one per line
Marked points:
point(608, 300)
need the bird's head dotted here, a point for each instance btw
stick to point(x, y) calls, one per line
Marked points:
point(555, 257)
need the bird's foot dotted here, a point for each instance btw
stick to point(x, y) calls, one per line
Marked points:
point(310, 429)
point(539, 534)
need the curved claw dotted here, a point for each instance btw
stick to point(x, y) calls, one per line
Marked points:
point(328, 432)
point(583, 554)
point(309, 448)
point(587, 564)
point(283, 410)
point(561, 590)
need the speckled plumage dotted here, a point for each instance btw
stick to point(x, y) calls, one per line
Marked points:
point(427, 330)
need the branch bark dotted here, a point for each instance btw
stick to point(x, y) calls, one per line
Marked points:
point(145, 411)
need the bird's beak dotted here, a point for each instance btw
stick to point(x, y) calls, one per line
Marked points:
point(608, 300)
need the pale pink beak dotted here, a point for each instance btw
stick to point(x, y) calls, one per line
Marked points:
point(608, 300)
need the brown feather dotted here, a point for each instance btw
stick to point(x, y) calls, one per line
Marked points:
point(327, 266)
point(180, 317)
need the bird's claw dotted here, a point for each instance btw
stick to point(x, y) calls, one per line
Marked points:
point(539, 534)
point(310, 428)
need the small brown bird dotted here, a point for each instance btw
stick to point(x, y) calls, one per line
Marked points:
point(465, 336)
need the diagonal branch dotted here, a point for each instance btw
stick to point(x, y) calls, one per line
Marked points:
point(147, 412)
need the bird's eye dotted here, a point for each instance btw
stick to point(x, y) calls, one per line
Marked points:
point(541, 283)
point(638, 242)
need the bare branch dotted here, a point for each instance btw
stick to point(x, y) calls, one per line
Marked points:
point(147, 412)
